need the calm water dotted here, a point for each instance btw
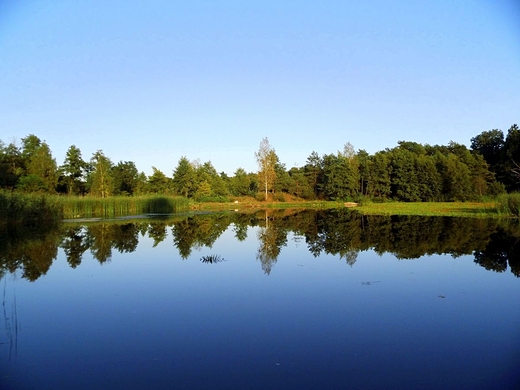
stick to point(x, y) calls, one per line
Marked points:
point(263, 301)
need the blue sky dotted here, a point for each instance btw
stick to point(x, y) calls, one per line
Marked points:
point(153, 81)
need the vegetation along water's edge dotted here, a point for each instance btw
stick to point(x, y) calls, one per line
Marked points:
point(408, 179)
point(34, 209)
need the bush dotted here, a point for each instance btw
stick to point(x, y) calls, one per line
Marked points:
point(279, 196)
point(509, 204)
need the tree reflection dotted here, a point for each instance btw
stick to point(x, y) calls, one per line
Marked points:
point(502, 250)
point(494, 243)
point(271, 238)
point(31, 251)
point(199, 231)
point(74, 244)
point(157, 232)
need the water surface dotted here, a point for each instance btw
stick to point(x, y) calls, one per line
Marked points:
point(275, 299)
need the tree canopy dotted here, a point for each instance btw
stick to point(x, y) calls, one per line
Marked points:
point(407, 172)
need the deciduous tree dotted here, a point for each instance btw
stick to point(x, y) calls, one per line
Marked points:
point(102, 181)
point(266, 159)
point(73, 169)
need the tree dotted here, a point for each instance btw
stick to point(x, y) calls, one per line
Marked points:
point(266, 159)
point(283, 182)
point(516, 171)
point(314, 172)
point(364, 170)
point(490, 144)
point(299, 184)
point(341, 174)
point(511, 157)
point(125, 178)
point(11, 165)
point(41, 164)
point(141, 184)
point(378, 177)
point(158, 183)
point(31, 183)
point(29, 146)
point(429, 179)
point(240, 183)
point(404, 182)
point(208, 182)
point(184, 178)
point(73, 168)
point(102, 181)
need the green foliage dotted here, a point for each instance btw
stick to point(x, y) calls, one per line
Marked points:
point(101, 179)
point(341, 177)
point(313, 170)
point(240, 183)
point(409, 172)
point(73, 169)
point(500, 154)
point(11, 165)
point(267, 160)
point(158, 183)
point(184, 178)
point(280, 197)
point(509, 204)
point(117, 206)
point(125, 176)
point(31, 183)
point(42, 164)
point(28, 209)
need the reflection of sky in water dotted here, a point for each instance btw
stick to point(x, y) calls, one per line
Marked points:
point(151, 319)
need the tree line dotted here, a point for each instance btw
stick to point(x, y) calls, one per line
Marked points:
point(408, 172)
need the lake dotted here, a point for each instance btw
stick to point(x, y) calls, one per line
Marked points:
point(273, 299)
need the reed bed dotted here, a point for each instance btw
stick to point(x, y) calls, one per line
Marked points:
point(120, 206)
point(29, 209)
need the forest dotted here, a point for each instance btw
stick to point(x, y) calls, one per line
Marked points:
point(408, 172)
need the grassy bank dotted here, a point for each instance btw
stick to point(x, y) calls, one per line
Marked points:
point(504, 206)
point(444, 209)
point(27, 209)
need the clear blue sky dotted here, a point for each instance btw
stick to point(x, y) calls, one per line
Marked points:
point(151, 81)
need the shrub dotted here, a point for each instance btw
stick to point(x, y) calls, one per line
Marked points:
point(509, 204)
point(279, 196)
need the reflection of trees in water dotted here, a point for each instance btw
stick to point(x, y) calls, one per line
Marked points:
point(271, 238)
point(157, 232)
point(502, 249)
point(198, 231)
point(100, 239)
point(74, 244)
point(28, 250)
point(494, 243)
point(240, 232)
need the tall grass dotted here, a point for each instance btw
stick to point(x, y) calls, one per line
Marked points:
point(29, 209)
point(118, 206)
point(509, 204)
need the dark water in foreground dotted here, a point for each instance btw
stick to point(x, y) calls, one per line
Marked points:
point(282, 300)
